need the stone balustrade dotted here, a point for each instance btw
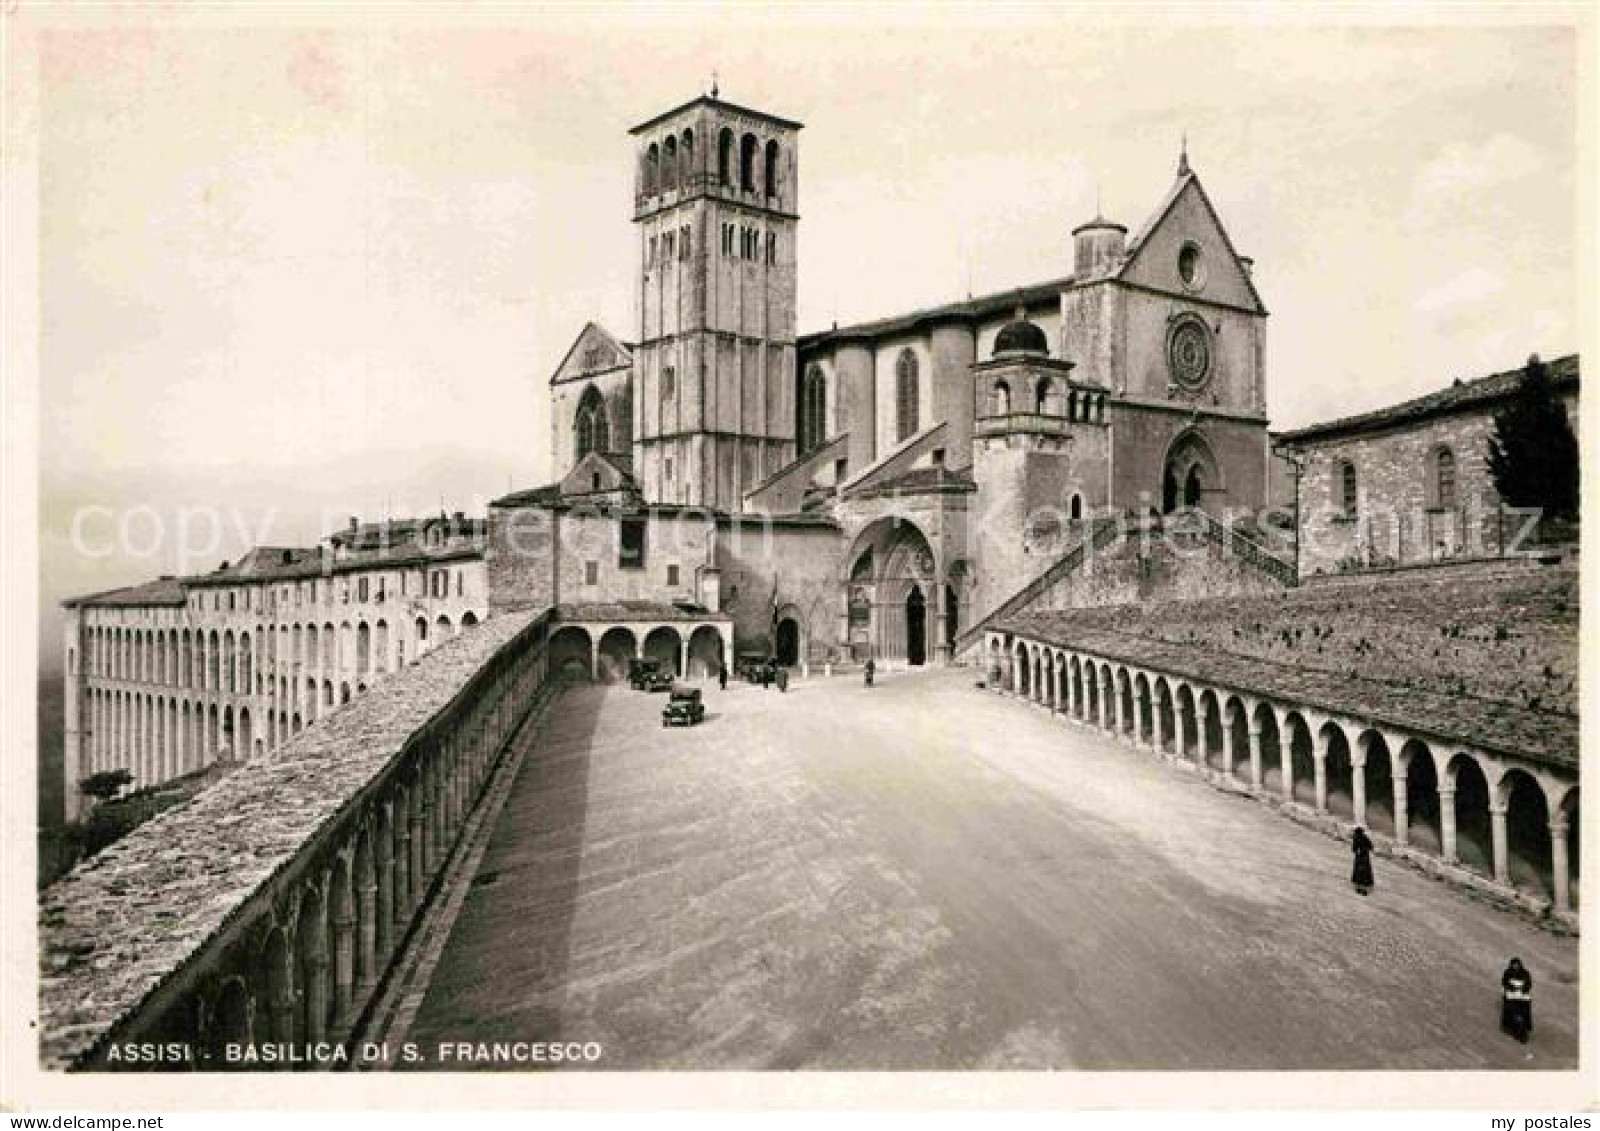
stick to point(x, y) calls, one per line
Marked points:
point(270, 908)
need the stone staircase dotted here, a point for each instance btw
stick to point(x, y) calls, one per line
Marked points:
point(1106, 532)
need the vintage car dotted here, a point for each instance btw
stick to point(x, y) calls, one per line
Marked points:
point(684, 707)
point(648, 675)
point(754, 667)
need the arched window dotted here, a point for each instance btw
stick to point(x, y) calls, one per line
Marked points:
point(1002, 399)
point(1347, 489)
point(813, 410)
point(592, 431)
point(1444, 472)
point(725, 157)
point(669, 165)
point(1041, 395)
point(747, 163)
point(686, 157)
point(652, 170)
point(771, 179)
point(907, 398)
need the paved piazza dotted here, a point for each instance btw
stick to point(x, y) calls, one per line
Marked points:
point(928, 876)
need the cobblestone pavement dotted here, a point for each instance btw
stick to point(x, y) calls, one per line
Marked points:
point(924, 875)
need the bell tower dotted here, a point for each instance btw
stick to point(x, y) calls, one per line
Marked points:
point(716, 206)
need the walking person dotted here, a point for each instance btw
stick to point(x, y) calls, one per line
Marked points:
point(1516, 1001)
point(722, 675)
point(868, 671)
point(783, 679)
point(1361, 873)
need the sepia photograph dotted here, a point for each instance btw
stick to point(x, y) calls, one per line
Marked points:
point(947, 549)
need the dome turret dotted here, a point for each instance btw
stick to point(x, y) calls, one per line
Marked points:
point(1021, 336)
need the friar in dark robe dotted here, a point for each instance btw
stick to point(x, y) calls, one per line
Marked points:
point(1516, 1001)
point(1361, 848)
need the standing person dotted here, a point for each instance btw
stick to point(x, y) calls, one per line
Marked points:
point(1361, 847)
point(783, 679)
point(766, 675)
point(868, 670)
point(722, 675)
point(1516, 1001)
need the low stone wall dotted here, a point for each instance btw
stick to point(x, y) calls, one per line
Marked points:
point(268, 908)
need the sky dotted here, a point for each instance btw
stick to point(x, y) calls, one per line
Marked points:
point(289, 274)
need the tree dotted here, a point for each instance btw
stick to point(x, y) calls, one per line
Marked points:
point(106, 784)
point(1533, 452)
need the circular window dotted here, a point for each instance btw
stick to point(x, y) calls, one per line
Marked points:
point(1189, 352)
point(1191, 268)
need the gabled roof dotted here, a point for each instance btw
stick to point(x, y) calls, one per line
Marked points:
point(1457, 397)
point(548, 495)
point(623, 349)
point(1186, 179)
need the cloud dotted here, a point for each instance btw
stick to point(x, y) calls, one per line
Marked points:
point(1463, 170)
point(1460, 293)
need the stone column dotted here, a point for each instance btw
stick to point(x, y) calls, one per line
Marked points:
point(1119, 723)
point(1158, 727)
point(1228, 753)
point(1497, 833)
point(1319, 769)
point(1072, 691)
point(1358, 786)
point(1447, 823)
point(1105, 707)
point(384, 902)
point(1560, 880)
point(1180, 735)
point(316, 990)
point(417, 867)
point(343, 958)
point(1141, 704)
point(1402, 803)
point(366, 934)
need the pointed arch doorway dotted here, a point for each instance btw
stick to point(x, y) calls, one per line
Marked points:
point(1189, 473)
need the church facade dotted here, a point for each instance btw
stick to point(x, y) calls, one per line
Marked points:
point(911, 473)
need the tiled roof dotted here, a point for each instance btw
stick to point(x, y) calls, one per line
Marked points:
point(1462, 395)
point(532, 497)
point(164, 591)
point(922, 479)
point(628, 610)
point(984, 306)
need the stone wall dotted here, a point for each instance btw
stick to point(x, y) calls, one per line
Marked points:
point(523, 542)
point(590, 567)
point(1397, 517)
point(802, 559)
